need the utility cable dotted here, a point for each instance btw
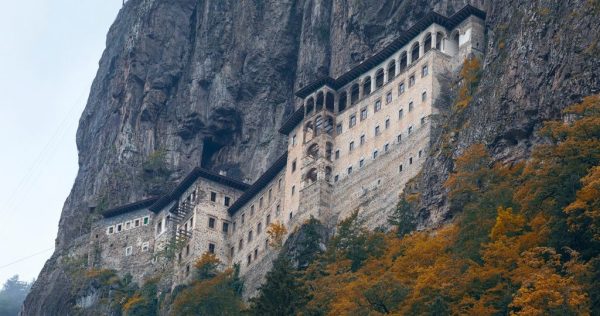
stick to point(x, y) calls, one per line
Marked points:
point(25, 258)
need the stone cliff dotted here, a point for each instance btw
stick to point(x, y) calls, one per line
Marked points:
point(185, 83)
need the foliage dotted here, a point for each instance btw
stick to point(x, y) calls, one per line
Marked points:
point(12, 295)
point(283, 293)
point(212, 293)
point(470, 75)
point(403, 218)
point(276, 231)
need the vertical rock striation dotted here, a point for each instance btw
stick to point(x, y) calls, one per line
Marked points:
point(184, 83)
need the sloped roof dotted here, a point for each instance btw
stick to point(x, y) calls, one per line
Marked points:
point(259, 184)
point(135, 206)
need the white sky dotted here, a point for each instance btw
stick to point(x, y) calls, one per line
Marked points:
point(49, 53)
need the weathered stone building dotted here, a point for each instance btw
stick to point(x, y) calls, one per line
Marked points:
point(353, 143)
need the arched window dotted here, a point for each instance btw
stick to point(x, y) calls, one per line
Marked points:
point(328, 150)
point(354, 93)
point(403, 61)
point(414, 55)
point(379, 78)
point(309, 132)
point(391, 70)
point(313, 151)
point(367, 86)
point(342, 101)
point(328, 127)
point(311, 176)
point(427, 43)
point(329, 102)
point(456, 38)
point(310, 105)
point(439, 37)
point(328, 171)
point(318, 125)
point(319, 101)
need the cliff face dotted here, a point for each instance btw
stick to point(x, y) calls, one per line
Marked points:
point(184, 83)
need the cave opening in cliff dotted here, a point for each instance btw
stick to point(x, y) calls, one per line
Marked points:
point(209, 149)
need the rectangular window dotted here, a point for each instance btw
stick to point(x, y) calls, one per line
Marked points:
point(420, 153)
point(399, 138)
point(410, 161)
point(145, 246)
point(128, 251)
point(255, 253)
point(291, 214)
point(351, 147)
point(187, 250)
point(352, 121)
point(400, 168)
point(294, 140)
point(361, 163)
point(386, 147)
point(243, 218)
point(375, 153)
point(377, 130)
point(270, 195)
point(409, 130)
point(424, 96)
point(411, 81)
point(146, 220)
point(338, 129)
point(294, 165)
point(231, 252)
point(260, 202)
point(136, 223)
point(213, 196)
point(211, 248)
point(349, 170)
point(249, 259)
point(277, 209)
point(387, 123)
point(363, 114)
point(337, 154)
point(268, 219)
point(293, 189)
point(225, 227)
point(233, 227)
point(377, 105)
point(362, 139)
point(400, 113)
point(279, 184)
point(336, 178)
point(127, 225)
point(249, 236)
point(424, 71)
point(227, 201)
point(111, 230)
point(410, 106)
point(240, 245)
point(388, 98)
point(192, 221)
point(119, 227)
point(401, 89)
point(211, 222)
point(258, 229)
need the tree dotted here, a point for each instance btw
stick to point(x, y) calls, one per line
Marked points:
point(12, 295)
point(283, 292)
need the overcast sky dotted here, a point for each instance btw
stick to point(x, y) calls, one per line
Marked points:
point(49, 53)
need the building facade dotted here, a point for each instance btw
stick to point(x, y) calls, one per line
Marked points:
point(353, 143)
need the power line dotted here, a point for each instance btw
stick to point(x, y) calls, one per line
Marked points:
point(25, 258)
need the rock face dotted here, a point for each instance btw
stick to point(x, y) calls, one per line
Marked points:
point(184, 83)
